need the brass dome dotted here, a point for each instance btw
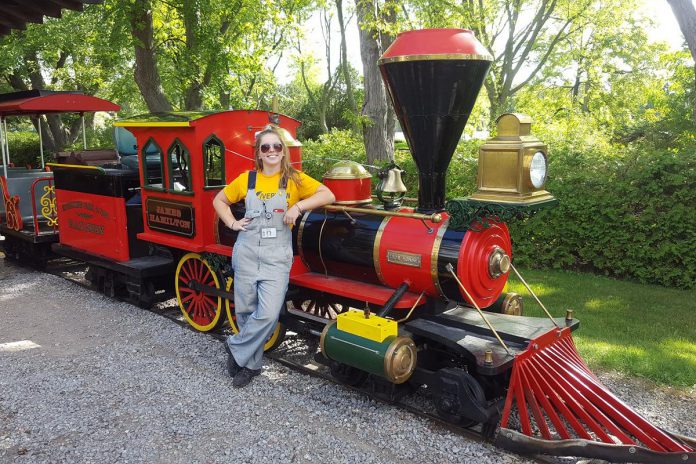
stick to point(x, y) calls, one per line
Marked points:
point(347, 169)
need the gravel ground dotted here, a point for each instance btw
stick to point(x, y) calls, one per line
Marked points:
point(109, 382)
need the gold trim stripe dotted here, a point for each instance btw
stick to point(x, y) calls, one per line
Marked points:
point(356, 202)
point(440, 57)
point(375, 249)
point(434, 254)
point(76, 166)
point(348, 176)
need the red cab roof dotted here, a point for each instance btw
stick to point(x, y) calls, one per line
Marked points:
point(43, 101)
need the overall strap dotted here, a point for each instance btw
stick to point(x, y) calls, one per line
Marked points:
point(251, 181)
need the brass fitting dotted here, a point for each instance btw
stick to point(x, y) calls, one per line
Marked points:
point(498, 263)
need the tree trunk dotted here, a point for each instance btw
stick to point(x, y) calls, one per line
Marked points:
point(685, 13)
point(345, 68)
point(56, 136)
point(146, 74)
point(378, 132)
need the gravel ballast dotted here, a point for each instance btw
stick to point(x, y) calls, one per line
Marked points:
point(109, 382)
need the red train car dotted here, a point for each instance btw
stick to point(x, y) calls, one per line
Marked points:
point(28, 218)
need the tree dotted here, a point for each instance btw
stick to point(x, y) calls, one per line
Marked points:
point(344, 65)
point(320, 98)
point(376, 22)
point(522, 35)
point(62, 54)
point(685, 13)
point(146, 73)
point(212, 53)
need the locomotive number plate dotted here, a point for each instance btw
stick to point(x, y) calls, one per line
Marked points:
point(174, 217)
point(406, 259)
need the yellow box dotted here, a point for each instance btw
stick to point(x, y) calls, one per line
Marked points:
point(374, 328)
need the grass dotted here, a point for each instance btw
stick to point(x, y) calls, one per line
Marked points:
point(643, 330)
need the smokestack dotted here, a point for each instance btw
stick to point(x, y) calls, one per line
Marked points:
point(433, 77)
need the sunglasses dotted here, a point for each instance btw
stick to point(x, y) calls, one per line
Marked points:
point(266, 147)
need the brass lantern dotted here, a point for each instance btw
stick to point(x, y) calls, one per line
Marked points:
point(512, 166)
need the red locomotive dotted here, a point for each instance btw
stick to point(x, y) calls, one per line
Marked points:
point(420, 277)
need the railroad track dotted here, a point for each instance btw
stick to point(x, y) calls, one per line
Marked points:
point(297, 353)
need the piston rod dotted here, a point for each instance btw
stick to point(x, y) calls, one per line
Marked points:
point(483, 316)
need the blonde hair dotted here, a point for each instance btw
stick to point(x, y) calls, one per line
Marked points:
point(286, 170)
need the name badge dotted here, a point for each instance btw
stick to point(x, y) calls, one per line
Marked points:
point(268, 232)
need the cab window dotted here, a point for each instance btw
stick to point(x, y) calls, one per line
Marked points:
point(179, 168)
point(214, 162)
point(152, 164)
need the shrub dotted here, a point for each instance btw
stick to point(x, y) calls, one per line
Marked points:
point(319, 155)
point(24, 148)
point(623, 212)
point(628, 215)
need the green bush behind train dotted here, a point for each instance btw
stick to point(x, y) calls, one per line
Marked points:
point(624, 212)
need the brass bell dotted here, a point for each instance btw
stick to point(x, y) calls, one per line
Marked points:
point(391, 188)
point(393, 183)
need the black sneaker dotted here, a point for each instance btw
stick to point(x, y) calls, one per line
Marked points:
point(244, 376)
point(232, 366)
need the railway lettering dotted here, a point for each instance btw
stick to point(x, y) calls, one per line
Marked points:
point(84, 226)
point(88, 205)
point(404, 258)
point(170, 221)
point(170, 216)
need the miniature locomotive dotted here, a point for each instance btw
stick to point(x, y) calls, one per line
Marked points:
point(400, 296)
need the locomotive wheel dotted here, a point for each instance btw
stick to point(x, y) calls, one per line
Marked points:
point(276, 338)
point(347, 375)
point(320, 308)
point(448, 405)
point(203, 312)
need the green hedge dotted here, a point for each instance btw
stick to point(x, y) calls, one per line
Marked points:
point(627, 213)
point(24, 148)
point(24, 145)
point(632, 215)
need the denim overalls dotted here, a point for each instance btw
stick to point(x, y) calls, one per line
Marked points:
point(261, 260)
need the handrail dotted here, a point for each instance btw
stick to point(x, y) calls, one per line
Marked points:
point(76, 166)
point(48, 203)
point(434, 218)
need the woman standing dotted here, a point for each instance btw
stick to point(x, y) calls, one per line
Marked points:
point(275, 195)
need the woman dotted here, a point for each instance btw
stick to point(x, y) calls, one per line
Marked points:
point(275, 196)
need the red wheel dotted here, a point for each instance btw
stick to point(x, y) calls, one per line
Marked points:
point(202, 311)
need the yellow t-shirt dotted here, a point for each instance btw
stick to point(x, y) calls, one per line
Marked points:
point(267, 186)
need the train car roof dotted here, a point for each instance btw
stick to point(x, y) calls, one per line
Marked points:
point(174, 118)
point(33, 102)
point(17, 14)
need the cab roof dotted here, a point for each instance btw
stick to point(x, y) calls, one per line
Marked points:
point(32, 102)
point(165, 119)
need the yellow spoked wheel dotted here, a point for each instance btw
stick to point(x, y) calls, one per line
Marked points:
point(202, 311)
point(276, 337)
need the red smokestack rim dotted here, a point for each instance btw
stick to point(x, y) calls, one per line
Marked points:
point(435, 44)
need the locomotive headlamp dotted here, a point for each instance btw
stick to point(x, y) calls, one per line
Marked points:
point(537, 170)
point(513, 165)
